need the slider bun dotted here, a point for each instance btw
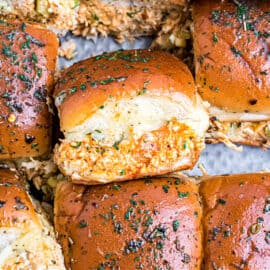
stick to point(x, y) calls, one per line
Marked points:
point(236, 221)
point(232, 54)
point(118, 75)
point(28, 56)
point(128, 114)
point(26, 239)
point(151, 223)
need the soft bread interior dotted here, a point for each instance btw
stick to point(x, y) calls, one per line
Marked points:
point(118, 120)
point(30, 246)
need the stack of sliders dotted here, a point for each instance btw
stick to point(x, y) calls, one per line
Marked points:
point(128, 115)
point(27, 62)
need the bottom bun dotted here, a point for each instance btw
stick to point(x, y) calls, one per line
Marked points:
point(140, 224)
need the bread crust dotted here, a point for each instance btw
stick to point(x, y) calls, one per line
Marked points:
point(28, 57)
point(87, 85)
point(236, 221)
point(146, 223)
point(231, 46)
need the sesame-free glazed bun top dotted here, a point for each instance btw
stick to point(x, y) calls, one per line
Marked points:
point(237, 222)
point(128, 114)
point(26, 239)
point(140, 224)
point(28, 56)
point(231, 46)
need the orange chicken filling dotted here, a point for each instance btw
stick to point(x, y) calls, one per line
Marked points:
point(173, 146)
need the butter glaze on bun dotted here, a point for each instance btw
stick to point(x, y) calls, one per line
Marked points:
point(231, 46)
point(27, 240)
point(28, 56)
point(140, 224)
point(236, 222)
point(128, 114)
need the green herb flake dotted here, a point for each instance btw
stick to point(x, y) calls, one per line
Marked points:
point(175, 225)
point(215, 38)
point(95, 17)
point(166, 188)
point(107, 256)
point(34, 58)
point(107, 81)
point(23, 78)
point(83, 87)
point(116, 145)
point(221, 201)
point(236, 52)
point(183, 194)
point(116, 187)
point(75, 144)
point(72, 90)
point(122, 172)
point(34, 145)
point(23, 27)
point(82, 224)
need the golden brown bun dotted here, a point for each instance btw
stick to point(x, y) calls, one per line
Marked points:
point(28, 56)
point(143, 224)
point(26, 239)
point(237, 222)
point(126, 115)
point(231, 46)
point(87, 85)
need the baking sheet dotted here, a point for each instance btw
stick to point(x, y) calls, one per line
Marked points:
point(217, 159)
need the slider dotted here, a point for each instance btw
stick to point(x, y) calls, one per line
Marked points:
point(27, 241)
point(231, 47)
point(126, 115)
point(140, 224)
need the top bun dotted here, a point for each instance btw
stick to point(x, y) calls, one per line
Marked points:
point(27, 65)
point(231, 46)
point(87, 85)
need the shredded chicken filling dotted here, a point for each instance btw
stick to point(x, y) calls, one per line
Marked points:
point(172, 146)
point(257, 133)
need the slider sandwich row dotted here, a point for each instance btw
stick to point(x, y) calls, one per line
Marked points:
point(27, 64)
point(166, 223)
point(153, 223)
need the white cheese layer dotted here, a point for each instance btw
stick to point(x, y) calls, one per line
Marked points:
point(223, 115)
point(118, 120)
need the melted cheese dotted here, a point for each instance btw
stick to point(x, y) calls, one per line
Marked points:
point(223, 115)
point(119, 120)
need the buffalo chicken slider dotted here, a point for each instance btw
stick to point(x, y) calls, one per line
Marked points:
point(128, 114)
point(27, 240)
point(231, 46)
point(140, 224)
point(236, 222)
